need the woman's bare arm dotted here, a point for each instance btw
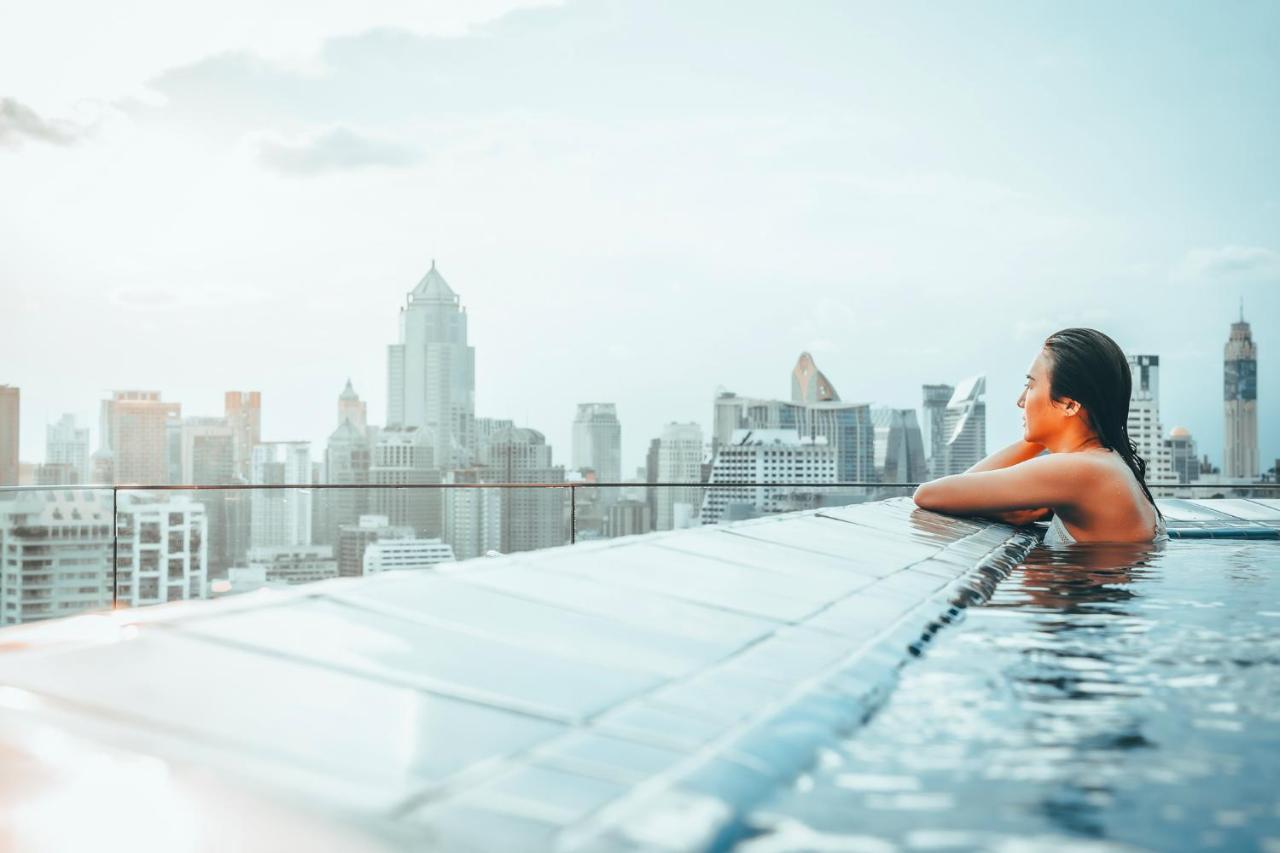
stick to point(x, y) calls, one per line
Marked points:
point(1056, 480)
point(1019, 451)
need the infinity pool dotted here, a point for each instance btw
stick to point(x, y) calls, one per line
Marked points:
point(1104, 698)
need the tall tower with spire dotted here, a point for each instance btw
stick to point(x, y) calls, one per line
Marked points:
point(431, 380)
point(352, 408)
point(1240, 402)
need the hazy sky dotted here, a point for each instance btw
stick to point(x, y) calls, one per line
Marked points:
point(638, 202)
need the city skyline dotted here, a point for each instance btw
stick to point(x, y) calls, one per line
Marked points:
point(213, 207)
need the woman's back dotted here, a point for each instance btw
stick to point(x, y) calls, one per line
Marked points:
point(1121, 511)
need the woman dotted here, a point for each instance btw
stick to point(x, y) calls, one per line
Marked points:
point(1076, 405)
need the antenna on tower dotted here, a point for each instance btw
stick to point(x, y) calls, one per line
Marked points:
point(1242, 308)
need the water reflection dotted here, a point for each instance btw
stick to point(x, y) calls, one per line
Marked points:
point(1106, 693)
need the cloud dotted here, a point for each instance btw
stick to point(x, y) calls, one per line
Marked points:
point(338, 150)
point(1239, 264)
point(19, 123)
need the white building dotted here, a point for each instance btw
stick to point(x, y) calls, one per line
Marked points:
point(388, 555)
point(55, 554)
point(280, 517)
point(1240, 403)
point(67, 444)
point(406, 456)
point(472, 517)
point(292, 565)
point(431, 380)
point(765, 456)
point(964, 425)
point(163, 550)
point(680, 457)
point(597, 442)
point(353, 539)
point(1144, 419)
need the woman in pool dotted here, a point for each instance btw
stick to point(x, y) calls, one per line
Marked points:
point(1091, 480)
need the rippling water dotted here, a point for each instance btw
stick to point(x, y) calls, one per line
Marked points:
point(1104, 698)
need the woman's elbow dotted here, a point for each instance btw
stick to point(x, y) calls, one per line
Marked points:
point(926, 496)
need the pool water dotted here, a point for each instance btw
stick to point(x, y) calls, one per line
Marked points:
point(1104, 698)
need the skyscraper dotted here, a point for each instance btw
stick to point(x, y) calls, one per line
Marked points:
point(431, 380)
point(136, 428)
point(597, 442)
point(1144, 418)
point(965, 426)
point(472, 517)
point(280, 517)
point(243, 410)
point(406, 456)
point(809, 384)
point(352, 408)
point(679, 461)
point(899, 446)
point(9, 410)
point(1240, 402)
point(1183, 455)
point(933, 429)
point(67, 444)
point(765, 456)
point(347, 460)
point(531, 518)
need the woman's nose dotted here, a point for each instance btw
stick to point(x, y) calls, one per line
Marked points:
point(1022, 400)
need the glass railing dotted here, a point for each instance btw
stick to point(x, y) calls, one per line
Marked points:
point(66, 550)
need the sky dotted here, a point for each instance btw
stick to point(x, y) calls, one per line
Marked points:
point(638, 202)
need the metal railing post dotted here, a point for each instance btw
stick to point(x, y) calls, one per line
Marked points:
point(115, 548)
point(573, 514)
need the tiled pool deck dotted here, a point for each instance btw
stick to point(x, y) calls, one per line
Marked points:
point(631, 693)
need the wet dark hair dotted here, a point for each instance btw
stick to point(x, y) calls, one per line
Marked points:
point(1091, 369)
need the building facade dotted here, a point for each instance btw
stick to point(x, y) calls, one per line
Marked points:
point(280, 517)
point(10, 423)
point(1240, 403)
point(243, 411)
point(162, 551)
point(353, 539)
point(293, 565)
point(530, 518)
point(406, 456)
point(66, 443)
point(764, 456)
point(1144, 419)
point(473, 516)
point(137, 427)
point(680, 456)
point(899, 446)
point(431, 370)
point(55, 554)
point(597, 442)
point(388, 555)
point(933, 430)
point(964, 425)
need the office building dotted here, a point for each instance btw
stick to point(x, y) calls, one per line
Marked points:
point(406, 456)
point(899, 446)
point(280, 517)
point(1144, 419)
point(387, 555)
point(162, 551)
point(292, 565)
point(1183, 455)
point(66, 444)
point(10, 423)
point(431, 370)
point(55, 554)
point(243, 411)
point(597, 443)
point(138, 427)
point(1240, 403)
point(472, 516)
point(680, 456)
point(933, 431)
point(353, 539)
point(964, 426)
point(765, 456)
point(530, 518)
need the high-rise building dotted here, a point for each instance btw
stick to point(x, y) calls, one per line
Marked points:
point(280, 517)
point(10, 399)
point(352, 408)
point(1240, 403)
point(765, 456)
point(531, 518)
point(899, 447)
point(67, 444)
point(965, 426)
point(431, 381)
point(55, 554)
point(387, 555)
point(405, 455)
point(208, 459)
point(597, 442)
point(162, 550)
point(293, 564)
point(933, 430)
point(347, 460)
point(628, 517)
point(136, 427)
point(651, 476)
point(1144, 418)
point(679, 461)
point(243, 411)
point(809, 384)
point(472, 517)
point(1183, 455)
point(354, 538)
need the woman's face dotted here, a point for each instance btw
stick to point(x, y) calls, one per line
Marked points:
point(1041, 417)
